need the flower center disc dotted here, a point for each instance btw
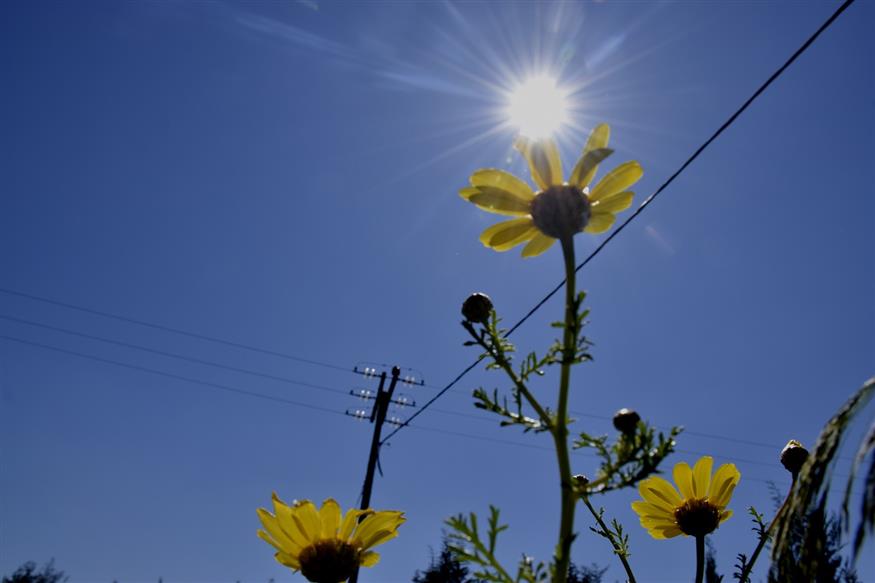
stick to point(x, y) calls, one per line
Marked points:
point(561, 211)
point(328, 561)
point(697, 517)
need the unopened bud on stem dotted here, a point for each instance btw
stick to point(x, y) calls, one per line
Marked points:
point(626, 421)
point(580, 483)
point(477, 308)
point(793, 456)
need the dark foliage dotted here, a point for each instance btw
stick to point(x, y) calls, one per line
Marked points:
point(591, 574)
point(711, 574)
point(812, 486)
point(27, 573)
point(444, 569)
point(815, 552)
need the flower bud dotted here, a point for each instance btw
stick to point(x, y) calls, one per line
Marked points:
point(580, 480)
point(793, 456)
point(477, 308)
point(626, 421)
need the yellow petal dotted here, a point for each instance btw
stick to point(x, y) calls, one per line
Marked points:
point(725, 515)
point(599, 222)
point(670, 532)
point(658, 524)
point(662, 533)
point(650, 522)
point(657, 534)
point(329, 515)
point(468, 192)
point(350, 521)
point(495, 178)
point(378, 528)
point(702, 476)
point(648, 510)
point(543, 159)
point(502, 202)
point(384, 519)
point(614, 203)
point(267, 538)
point(723, 484)
point(617, 180)
point(287, 560)
point(503, 236)
point(278, 537)
point(539, 243)
point(287, 523)
point(306, 518)
point(598, 139)
point(659, 493)
point(369, 559)
point(683, 477)
point(376, 538)
point(586, 167)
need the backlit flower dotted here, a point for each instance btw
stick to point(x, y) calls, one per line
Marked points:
point(697, 510)
point(559, 208)
point(324, 545)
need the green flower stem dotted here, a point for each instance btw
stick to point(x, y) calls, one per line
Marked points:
point(560, 429)
point(700, 558)
point(745, 573)
point(607, 531)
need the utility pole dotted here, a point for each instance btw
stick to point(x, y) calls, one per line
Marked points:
point(378, 417)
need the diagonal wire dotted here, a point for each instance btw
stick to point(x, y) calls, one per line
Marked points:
point(174, 355)
point(208, 384)
point(173, 330)
point(264, 396)
point(335, 390)
point(778, 72)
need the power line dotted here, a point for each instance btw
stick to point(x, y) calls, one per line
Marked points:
point(296, 382)
point(209, 384)
point(608, 418)
point(644, 204)
point(771, 446)
point(175, 355)
point(173, 330)
point(579, 453)
point(686, 431)
point(263, 396)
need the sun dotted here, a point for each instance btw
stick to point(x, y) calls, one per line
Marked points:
point(537, 107)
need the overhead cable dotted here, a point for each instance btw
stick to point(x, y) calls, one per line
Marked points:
point(778, 72)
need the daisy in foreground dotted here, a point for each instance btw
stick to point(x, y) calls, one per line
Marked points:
point(696, 511)
point(559, 209)
point(324, 545)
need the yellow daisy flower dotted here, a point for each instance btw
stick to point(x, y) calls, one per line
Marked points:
point(325, 546)
point(698, 509)
point(558, 209)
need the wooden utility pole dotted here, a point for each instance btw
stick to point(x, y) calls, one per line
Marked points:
point(378, 417)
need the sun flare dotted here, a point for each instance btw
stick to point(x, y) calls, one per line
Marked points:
point(538, 107)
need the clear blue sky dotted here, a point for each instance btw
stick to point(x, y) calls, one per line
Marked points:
point(284, 175)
